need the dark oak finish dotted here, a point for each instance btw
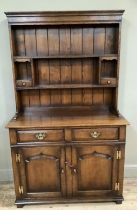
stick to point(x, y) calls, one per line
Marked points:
point(67, 136)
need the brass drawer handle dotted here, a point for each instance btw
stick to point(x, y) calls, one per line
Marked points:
point(95, 134)
point(24, 83)
point(41, 136)
point(109, 82)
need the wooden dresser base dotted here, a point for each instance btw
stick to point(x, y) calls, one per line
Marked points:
point(72, 147)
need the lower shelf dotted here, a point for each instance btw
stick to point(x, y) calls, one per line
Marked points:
point(66, 116)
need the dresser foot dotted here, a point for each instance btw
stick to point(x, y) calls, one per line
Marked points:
point(119, 202)
point(19, 205)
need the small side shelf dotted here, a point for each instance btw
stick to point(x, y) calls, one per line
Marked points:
point(108, 70)
point(24, 72)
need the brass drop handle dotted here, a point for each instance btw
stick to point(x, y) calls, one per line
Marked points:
point(95, 134)
point(109, 82)
point(72, 167)
point(41, 136)
point(68, 164)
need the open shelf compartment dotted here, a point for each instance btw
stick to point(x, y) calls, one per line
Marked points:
point(95, 39)
point(24, 72)
point(108, 70)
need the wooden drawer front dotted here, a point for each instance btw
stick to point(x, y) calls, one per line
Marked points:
point(95, 133)
point(23, 83)
point(108, 81)
point(40, 135)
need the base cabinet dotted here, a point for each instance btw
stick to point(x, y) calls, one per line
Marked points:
point(52, 173)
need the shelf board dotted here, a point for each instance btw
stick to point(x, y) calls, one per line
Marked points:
point(27, 58)
point(22, 59)
point(108, 58)
point(64, 86)
point(69, 116)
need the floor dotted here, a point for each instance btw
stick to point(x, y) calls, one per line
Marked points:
point(130, 194)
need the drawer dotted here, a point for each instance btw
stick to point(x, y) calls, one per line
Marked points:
point(108, 81)
point(23, 83)
point(95, 133)
point(40, 135)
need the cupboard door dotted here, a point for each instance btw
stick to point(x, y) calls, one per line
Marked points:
point(94, 170)
point(42, 171)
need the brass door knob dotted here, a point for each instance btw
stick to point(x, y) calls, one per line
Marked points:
point(109, 82)
point(95, 134)
point(72, 167)
point(41, 136)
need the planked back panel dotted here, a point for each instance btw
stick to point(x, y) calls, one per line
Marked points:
point(41, 41)
point(102, 96)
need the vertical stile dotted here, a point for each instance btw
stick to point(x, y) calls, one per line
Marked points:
point(65, 64)
point(76, 49)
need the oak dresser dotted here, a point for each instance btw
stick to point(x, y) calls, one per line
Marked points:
point(67, 137)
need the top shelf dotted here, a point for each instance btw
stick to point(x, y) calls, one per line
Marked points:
point(102, 57)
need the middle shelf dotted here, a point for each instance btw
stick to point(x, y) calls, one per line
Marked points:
point(67, 72)
point(64, 86)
